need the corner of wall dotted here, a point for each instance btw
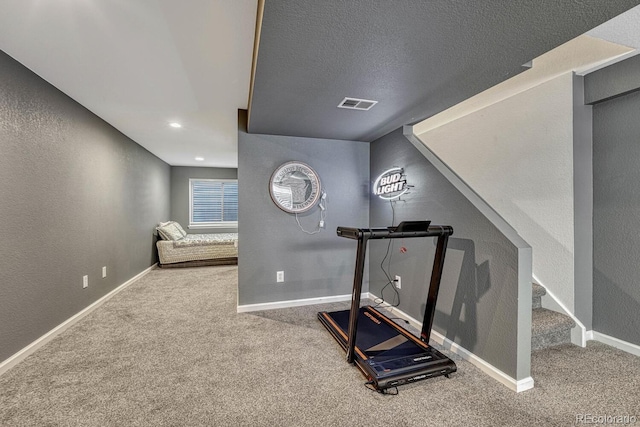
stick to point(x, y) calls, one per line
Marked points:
point(583, 207)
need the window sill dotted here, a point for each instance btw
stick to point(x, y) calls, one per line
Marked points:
point(229, 224)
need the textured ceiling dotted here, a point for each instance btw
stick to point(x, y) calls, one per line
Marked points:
point(416, 58)
point(140, 64)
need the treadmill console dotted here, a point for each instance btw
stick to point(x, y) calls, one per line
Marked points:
point(411, 226)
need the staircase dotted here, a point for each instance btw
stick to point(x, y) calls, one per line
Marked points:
point(548, 328)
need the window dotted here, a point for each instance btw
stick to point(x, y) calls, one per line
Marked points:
point(213, 203)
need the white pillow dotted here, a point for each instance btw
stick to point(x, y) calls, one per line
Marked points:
point(180, 229)
point(169, 231)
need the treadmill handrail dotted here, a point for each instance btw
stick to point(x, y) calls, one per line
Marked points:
point(363, 235)
point(385, 233)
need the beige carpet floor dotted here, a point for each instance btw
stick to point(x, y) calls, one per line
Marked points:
point(171, 350)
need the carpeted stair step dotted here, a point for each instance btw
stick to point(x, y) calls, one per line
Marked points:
point(538, 293)
point(549, 328)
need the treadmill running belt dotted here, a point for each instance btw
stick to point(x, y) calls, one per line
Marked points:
point(387, 353)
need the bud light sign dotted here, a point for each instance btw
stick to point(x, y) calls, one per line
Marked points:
point(391, 184)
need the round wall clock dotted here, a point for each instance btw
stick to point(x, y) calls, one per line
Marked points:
point(295, 187)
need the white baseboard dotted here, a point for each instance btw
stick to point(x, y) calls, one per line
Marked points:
point(492, 371)
point(614, 342)
point(31, 348)
point(484, 366)
point(246, 308)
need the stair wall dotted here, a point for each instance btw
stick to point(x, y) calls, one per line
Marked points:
point(484, 304)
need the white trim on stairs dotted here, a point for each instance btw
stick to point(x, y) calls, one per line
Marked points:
point(44, 339)
point(582, 339)
point(614, 342)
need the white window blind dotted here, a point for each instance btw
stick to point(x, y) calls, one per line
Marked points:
point(213, 202)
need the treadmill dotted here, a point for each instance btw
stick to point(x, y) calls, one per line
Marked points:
point(387, 354)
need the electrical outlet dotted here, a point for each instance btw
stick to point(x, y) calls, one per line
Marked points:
point(104, 272)
point(85, 281)
point(280, 276)
point(398, 282)
point(321, 224)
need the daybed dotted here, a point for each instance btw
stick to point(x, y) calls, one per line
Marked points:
point(176, 248)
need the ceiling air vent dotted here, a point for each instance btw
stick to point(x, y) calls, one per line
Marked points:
point(357, 104)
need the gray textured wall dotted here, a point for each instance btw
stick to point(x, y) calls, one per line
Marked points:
point(180, 176)
point(617, 79)
point(478, 300)
point(269, 239)
point(75, 195)
point(616, 209)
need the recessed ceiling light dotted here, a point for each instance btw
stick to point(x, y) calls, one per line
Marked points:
point(200, 159)
point(175, 125)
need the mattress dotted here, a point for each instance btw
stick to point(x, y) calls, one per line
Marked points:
point(198, 247)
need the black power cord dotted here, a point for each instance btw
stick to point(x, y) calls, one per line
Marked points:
point(369, 385)
point(396, 297)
